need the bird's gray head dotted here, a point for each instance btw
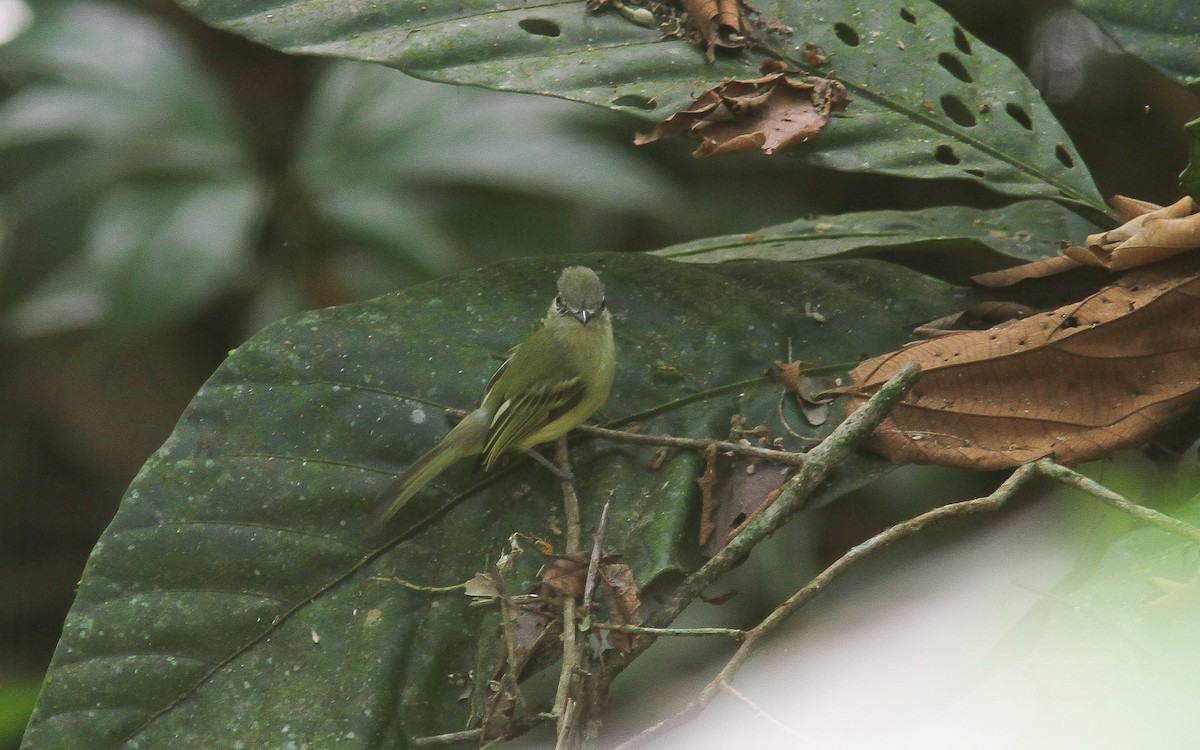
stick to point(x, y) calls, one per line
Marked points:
point(580, 294)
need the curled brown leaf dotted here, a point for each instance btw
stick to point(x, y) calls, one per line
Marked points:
point(771, 113)
point(1072, 384)
point(1151, 233)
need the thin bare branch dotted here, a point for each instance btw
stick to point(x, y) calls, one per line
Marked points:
point(821, 582)
point(681, 632)
point(1148, 516)
point(566, 698)
point(450, 738)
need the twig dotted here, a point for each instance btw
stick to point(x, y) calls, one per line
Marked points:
point(758, 710)
point(510, 647)
point(820, 461)
point(450, 738)
point(1148, 516)
point(589, 586)
point(566, 698)
point(789, 458)
point(419, 587)
point(592, 690)
point(681, 632)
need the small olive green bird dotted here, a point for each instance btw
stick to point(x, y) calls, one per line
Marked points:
point(549, 384)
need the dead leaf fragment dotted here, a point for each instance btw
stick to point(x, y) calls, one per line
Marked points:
point(715, 24)
point(1072, 384)
point(624, 602)
point(566, 575)
point(770, 114)
point(731, 496)
point(1154, 234)
point(808, 390)
point(481, 586)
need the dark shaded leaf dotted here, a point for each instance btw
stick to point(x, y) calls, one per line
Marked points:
point(1163, 35)
point(244, 534)
point(929, 100)
point(950, 242)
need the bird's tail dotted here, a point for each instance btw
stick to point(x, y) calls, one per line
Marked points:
point(466, 439)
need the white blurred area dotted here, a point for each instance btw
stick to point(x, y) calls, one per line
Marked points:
point(15, 17)
point(972, 641)
point(1062, 46)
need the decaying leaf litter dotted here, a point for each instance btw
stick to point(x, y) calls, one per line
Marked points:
point(709, 24)
point(773, 112)
point(1073, 383)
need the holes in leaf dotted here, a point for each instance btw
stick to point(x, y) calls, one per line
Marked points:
point(957, 111)
point(954, 67)
point(909, 16)
point(976, 173)
point(539, 26)
point(847, 34)
point(635, 101)
point(1018, 113)
point(961, 41)
point(1064, 156)
point(946, 155)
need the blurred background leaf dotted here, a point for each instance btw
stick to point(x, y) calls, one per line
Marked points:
point(1162, 35)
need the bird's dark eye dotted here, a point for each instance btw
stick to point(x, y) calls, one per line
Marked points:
point(603, 303)
point(558, 301)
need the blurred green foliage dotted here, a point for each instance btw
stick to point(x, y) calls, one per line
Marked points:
point(136, 192)
point(16, 703)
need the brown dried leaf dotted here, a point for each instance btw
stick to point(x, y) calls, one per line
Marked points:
point(1073, 384)
point(624, 602)
point(566, 575)
point(734, 491)
point(768, 114)
point(716, 23)
point(1153, 235)
point(808, 390)
point(1038, 269)
point(533, 635)
point(1040, 286)
point(481, 586)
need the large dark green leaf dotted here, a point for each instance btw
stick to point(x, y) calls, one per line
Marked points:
point(930, 100)
point(235, 600)
point(950, 242)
